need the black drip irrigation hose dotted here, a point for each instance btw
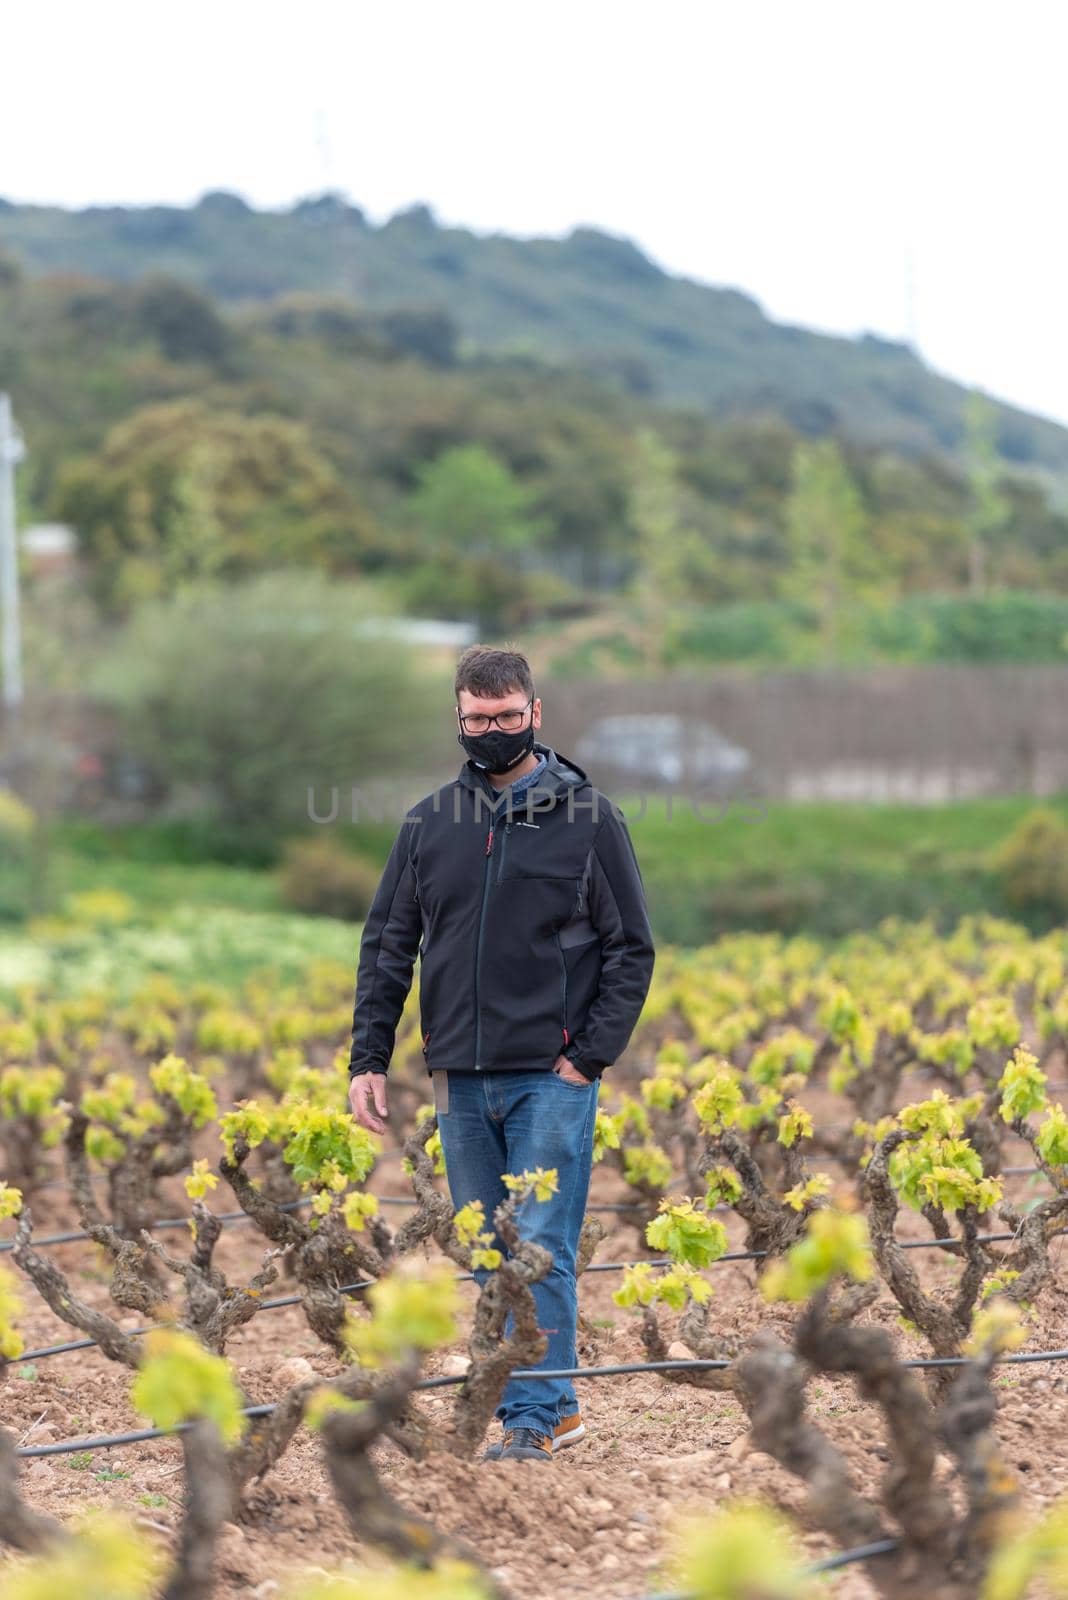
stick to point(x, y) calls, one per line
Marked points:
point(811, 1569)
point(281, 1301)
point(227, 1218)
point(109, 1441)
point(296, 1300)
point(445, 1380)
point(233, 1218)
point(845, 1558)
point(64, 1183)
point(831, 1127)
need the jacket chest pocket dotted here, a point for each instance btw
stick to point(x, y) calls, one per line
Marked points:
point(538, 851)
point(541, 877)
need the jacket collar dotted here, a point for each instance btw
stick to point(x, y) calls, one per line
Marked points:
point(560, 774)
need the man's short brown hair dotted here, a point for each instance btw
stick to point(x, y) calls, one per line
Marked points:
point(483, 670)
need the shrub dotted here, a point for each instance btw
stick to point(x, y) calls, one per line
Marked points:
point(321, 878)
point(16, 822)
point(1032, 863)
point(261, 695)
point(1015, 625)
point(100, 908)
point(16, 843)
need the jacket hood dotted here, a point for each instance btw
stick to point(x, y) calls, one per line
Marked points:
point(561, 774)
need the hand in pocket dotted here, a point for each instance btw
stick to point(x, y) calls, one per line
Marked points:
point(570, 1073)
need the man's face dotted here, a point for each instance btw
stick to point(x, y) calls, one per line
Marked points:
point(515, 702)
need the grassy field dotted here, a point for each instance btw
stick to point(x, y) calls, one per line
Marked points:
point(814, 868)
point(820, 868)
point(192, 943)
point(806, 837)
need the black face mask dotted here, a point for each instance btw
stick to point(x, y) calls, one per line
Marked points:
point(495, 751)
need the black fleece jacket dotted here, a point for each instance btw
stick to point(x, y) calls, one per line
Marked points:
point(530, 925)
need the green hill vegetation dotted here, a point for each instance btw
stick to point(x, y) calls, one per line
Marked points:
point(197, 430)
point(589, 298)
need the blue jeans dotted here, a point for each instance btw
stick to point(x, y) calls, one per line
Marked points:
point(508, 1122)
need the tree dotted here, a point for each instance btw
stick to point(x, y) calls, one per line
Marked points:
point(834, 564)
point(988, 510)
point(674, 558)
point(478, 521)
point(183, 321)
point(179, 491)
point(469, 501)
point(11, 272)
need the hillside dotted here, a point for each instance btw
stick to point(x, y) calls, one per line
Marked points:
point(183, 436)
point(589, 298)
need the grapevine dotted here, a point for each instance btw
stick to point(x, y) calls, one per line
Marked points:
point(939, 1057)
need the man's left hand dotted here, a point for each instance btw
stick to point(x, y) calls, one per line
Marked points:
point(565, 1068)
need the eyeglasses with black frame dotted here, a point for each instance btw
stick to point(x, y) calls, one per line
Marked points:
point(508, 721)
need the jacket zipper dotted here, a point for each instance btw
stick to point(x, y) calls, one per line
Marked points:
point(478, 943)
point(504, 847)
point(563, 981)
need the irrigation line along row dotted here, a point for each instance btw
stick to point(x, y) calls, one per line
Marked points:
point(295, 1300)
point(392, 1154)
point(811, 1569)
point(845, 1558)
point(445, 1380)
point(1006, 1172)
point(232, 1218)
point(227, 1218)
point(469, 1277)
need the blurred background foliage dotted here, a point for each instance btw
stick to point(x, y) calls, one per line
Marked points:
point(273, 432)
point(212, 421)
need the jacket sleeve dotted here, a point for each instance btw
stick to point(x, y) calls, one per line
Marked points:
point(388, 948)
point(618, 911)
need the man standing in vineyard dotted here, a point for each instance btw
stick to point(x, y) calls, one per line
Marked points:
point(518, 888)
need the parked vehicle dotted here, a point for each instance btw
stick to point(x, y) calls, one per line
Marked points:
point(662, 747)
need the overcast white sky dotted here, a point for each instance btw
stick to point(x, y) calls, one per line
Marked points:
point(888, 165)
